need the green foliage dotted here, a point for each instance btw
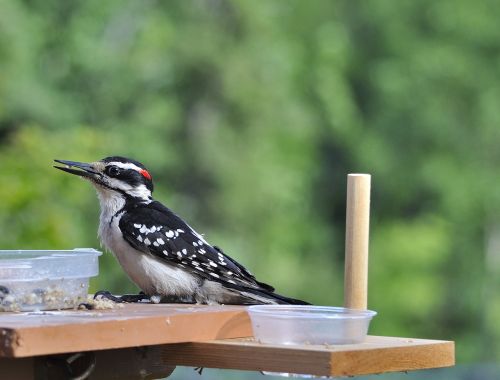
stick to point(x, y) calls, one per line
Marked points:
point(250, 115)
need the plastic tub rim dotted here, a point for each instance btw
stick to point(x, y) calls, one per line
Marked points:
point(309, 311)
point(69, 260)
point(50, 253)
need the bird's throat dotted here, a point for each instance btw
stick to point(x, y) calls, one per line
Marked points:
point(110, 201)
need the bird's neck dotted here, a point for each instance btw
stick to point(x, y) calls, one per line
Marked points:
point(111, 202)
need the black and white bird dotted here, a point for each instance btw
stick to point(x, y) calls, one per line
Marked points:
point(166, 258)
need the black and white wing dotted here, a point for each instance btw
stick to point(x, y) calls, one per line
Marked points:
point(156, 229)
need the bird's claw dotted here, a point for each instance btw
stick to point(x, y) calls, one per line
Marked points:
point(85, 306)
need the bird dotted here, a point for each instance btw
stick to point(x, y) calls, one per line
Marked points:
point(163, 255)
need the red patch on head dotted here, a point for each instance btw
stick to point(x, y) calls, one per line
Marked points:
point(145, 174)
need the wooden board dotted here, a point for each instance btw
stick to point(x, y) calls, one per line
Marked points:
point(376, 355)
point(120, 364)
point(52, 332)
point(166, 329)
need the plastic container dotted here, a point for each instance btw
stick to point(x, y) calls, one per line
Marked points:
point(45, 280)
point(321, 325)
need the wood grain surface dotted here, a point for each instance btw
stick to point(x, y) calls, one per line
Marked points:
point(52, 332)
point(376, 355)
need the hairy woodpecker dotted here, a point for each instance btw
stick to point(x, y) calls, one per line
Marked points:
point(162, 254)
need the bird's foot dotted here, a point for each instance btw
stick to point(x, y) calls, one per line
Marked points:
point(178, 299)
point(126, 298)
point(141, 297)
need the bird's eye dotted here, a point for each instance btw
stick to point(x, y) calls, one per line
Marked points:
point(113, 171)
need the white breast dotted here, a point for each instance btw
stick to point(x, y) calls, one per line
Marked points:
point(153, 276)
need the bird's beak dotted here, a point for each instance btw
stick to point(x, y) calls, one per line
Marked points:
point(83, 169)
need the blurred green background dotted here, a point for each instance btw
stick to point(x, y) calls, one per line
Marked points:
point(250, 114)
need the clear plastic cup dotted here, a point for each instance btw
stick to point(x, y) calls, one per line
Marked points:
point(303, 325)
point(32, 280)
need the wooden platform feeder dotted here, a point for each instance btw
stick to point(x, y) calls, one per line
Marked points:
point(142, 341)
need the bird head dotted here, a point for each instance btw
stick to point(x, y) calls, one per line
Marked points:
point(113, 176)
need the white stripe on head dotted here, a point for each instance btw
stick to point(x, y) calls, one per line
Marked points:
point(140, 191)
point(125, 165)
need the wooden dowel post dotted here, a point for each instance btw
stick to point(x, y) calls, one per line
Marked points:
point(356, 241)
